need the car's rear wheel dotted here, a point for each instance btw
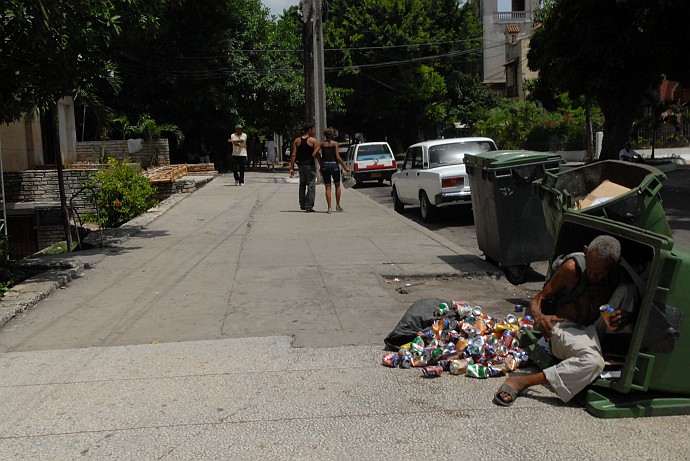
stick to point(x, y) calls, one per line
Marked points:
point(398, 205)
point(427, 210)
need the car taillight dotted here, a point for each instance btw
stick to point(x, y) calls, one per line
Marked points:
point(452, 182)
point(356, 167)
point(395, 165)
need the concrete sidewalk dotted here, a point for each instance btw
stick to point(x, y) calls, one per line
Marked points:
point(234, 326)
point(244, 261)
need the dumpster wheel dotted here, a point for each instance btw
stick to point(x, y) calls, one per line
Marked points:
point(516, 274)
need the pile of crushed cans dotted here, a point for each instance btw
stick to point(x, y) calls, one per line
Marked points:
point(464, 340)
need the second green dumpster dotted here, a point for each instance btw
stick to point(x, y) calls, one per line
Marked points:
point(634, 198)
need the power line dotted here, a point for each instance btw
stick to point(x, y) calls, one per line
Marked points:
point(142, 69)
point(362, 48)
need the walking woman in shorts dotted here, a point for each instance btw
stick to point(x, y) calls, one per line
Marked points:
point(329, 159)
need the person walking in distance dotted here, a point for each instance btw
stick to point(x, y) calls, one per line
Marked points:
point(271, 154)
point(330, 162)
point(238, 160)
point(304, 149)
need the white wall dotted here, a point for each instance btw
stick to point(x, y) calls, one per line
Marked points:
point(683, 152)
point(67, 130)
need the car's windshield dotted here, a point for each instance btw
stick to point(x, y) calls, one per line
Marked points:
point(378, 151)
point(454, 153)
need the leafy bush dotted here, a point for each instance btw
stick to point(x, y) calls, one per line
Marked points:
point(524, 125)
point(122, 193)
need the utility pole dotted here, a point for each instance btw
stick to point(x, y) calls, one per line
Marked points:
point(314, 78)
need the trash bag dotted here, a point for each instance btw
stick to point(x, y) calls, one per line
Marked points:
point(418, 317)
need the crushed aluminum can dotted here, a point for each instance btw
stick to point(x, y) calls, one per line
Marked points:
point(476, 370)
point(508, 337)
point(391, 359)
point(441, 310)
point(467, 328)
point(500, 350)
point(519, 308)
point(480, 327)
point(462, 307)
point(498, 369)
point(526, 322)
point(461, 345)
point(606, 312)
point(418, 361)
point(511, 362)
point(432, 371)
point(458, 367)
point(511, 319)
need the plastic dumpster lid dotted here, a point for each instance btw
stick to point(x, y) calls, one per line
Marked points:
point(509, 158)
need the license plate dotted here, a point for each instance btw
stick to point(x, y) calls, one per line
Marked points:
point(376, 175)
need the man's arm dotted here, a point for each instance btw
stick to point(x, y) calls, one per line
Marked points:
point(316, 155)
point(293, 155)
point(565, 279)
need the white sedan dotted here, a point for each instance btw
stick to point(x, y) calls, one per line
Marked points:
point(433, 174)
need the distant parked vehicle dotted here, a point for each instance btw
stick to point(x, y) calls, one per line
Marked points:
point(433, 175)
point(371, 161)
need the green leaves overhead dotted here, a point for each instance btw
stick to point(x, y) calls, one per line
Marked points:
point(612, 51)
point(58, 48)
point(396, 57)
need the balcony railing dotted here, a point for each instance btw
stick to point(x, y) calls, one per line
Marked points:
point(512, 16)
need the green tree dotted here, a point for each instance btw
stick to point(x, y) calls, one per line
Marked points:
point(283, 87)
point(510, 124)
point(208, 66)
point(470, 99)
point(394, 60)
point(152, 131)
point(612, 51)
point(51, 49)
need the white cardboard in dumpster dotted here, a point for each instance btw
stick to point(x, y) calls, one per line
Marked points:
point(604, 192)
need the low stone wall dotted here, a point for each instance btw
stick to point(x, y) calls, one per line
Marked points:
point(48, 235)
point(27, 192)
point(201, 169)
point(184, 185)
point(89, 152)
point(42, 186)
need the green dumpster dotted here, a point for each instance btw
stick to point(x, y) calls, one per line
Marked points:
point(639, 206)
point(508, 215)
point(650, 371)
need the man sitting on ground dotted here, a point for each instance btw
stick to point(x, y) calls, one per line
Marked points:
point(628, 154)
point(574, 327)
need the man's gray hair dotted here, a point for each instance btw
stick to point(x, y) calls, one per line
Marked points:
point(606, 247)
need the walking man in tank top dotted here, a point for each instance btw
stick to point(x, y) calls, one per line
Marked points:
point(304, 148)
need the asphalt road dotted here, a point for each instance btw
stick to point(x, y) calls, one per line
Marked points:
point(457, 223)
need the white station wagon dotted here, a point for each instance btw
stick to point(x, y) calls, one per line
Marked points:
point(371, 161)
point(433, 174)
